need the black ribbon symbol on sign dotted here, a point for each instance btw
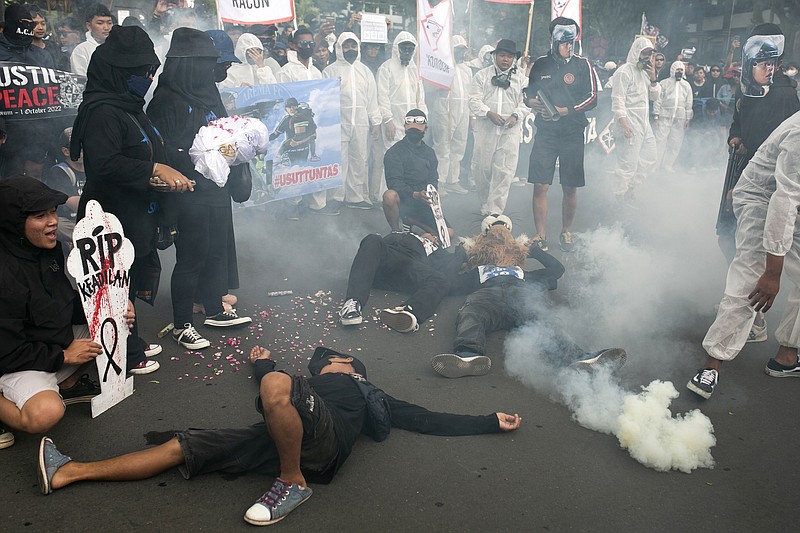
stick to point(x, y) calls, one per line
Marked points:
point(109, 353)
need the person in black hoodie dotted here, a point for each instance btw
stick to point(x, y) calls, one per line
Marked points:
point(186, 100)
point(766, 97)
point(122, 154)
point(44, 341)
point(309, 430)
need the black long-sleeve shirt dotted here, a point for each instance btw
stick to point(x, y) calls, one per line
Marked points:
point(410, 167)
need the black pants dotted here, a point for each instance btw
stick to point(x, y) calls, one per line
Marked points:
point(201, 267)
point(503, 304)
point(397, 262)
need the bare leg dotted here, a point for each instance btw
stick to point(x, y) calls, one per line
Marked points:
point(40, 413)
point(391, 209)
point(569, 205)
point(284, 424)
point(713, 363)
point(786, 356)
point(132, 466)
point(540, 208)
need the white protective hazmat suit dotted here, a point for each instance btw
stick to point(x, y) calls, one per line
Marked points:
point(359, 111)
point(673, 109)
point(496, 151)
point(631, 93)
point(765, 200)
point(244, 74)
point(448, 122)
point(294, 70)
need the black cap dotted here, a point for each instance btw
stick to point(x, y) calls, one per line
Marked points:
point(127, 47)
point(35, 196)
point(507, 45)
point(189, 42)
point(321, 357)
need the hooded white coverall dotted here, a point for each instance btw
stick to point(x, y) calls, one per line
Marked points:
point(673, 107)
point(244, 74)
point(496, 151)
point(399, 91)
point(766, 201)
point(448, 122)
point(359, 110)
point(294, 70)
point(631, 93)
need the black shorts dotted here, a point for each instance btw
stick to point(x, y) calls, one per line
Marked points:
point(566, 146)
point(251, 449)
point(418, 211)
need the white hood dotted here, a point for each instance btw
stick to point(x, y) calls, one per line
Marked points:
point(636, 48)
point(403, 37)
point(245, 43)
point(340, 41)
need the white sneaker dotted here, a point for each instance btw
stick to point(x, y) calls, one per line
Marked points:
point(6, 439)
point(189, 338)
point(147, 366)
point(456, 188)
point(400, 319)
point(350, 313)
point(758, 333)
point(451, 365)
point(151, 350)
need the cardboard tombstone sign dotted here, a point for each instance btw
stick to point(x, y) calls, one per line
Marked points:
point(100, 262)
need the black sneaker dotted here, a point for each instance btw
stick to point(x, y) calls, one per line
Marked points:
point(227, 319)
point(703, 382)
point(189, 338)
point(6, 438)
point(777, 370)
point(350, 313)
point(82, 392)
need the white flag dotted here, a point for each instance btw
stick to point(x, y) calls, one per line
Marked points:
point(256, 11)
point(436, 65)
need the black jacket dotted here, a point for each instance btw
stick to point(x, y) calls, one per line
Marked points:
point(754, 119)
point(572, 85)
point(37, 303)
point(410, 168)
point(118, 156)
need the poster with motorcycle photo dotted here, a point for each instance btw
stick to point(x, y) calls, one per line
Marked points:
point(303, 119)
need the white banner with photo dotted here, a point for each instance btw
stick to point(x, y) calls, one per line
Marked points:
point(255, 11)
point(436, 65)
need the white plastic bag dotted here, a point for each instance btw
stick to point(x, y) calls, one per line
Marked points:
point(227, 141)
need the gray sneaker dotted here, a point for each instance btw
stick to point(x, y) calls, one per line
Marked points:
point(50, 460)
point(281, 499)
point(452, 365)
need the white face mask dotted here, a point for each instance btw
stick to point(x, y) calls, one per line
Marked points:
point(791, 73)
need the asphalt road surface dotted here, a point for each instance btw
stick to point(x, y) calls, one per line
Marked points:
point(550, 475)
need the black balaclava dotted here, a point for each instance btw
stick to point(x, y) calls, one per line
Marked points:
point(128, 52)
point(321, 358)
point(17, 32)
point(405, 52)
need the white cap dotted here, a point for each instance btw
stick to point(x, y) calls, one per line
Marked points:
point(493, 219)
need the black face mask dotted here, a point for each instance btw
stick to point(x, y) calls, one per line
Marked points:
point(220, 72)
point(679, 76)
point(414, 135)
point(350, 56)
point(269, 44)
point(305, 53)
point(139, 85)
point(405, 54)
point(281, 59)
point(460, 54)
point(503, 80)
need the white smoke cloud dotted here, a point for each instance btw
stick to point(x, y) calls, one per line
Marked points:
point(647, 284)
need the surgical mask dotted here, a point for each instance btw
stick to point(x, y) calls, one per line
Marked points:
point(139, 85)
point(414, 135)
point(350, 56)
point(220, 72)
point(305, 53)
point(679, 76)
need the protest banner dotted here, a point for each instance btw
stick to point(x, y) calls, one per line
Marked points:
point(100, 262)
point(29, 92)
point(255, 11)
point(305, 152)
point(436, 65)
point(373, 28)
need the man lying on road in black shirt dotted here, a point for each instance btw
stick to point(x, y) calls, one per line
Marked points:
point(310, 426)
